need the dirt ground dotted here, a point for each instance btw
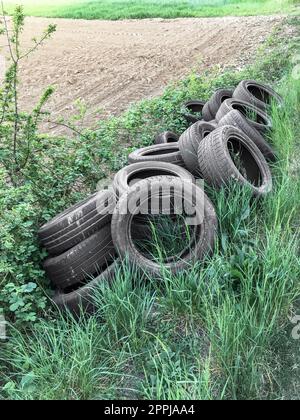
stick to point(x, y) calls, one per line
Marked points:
point(110, 64)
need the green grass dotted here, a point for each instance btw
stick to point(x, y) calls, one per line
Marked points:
point(136, 9)
point(212, 332)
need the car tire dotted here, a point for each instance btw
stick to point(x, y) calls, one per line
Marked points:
point(189, 109)
point(204, 238)
point(211, 107)
point(218, 166)
point(189, 143)
point(236, 119)
point(257, 94)
point(77, 223)
point(167, 137)
point(81, 300)
point(169, 153)
point(263, 122)
point(135, 172)
point(81, 262)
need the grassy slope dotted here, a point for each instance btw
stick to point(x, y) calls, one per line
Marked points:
point(212, 332)
point(124, 9)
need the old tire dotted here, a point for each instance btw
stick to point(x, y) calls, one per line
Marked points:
point(257, 94)
point(189, 110)
point(189, 143)
point(129, 175)
point(262, 122)
point(218, 166)
point(77, 223)
point(81, 262)
point(211, 107)
point(167, 137)
point(168, 153)
point(236, 119)
point(122, 223)
point(80, 301)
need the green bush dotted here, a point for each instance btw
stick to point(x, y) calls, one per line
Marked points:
point(20, 258)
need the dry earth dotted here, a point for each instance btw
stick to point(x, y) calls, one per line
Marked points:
point(110, 64)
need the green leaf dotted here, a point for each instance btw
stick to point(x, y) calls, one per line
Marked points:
point(29, 288)
point(15, 306)
point(27, 382)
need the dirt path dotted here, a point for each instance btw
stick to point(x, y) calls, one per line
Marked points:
point(112, 64)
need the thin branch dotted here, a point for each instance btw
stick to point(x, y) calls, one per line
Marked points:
point(16, 118)
point(67, 126)
point(7, 32)
point(38, 44)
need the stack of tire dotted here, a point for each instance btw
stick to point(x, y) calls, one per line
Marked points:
point(88, 242)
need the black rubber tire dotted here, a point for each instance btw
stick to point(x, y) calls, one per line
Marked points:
point(213, 105)
point(189, 143)
point(236, 119)
point(125, 177)
point(61, 221)
point(167, 137)
point(257, 94)
point(77, 223)
point(82, 261)
point(189, 108)
point(219, 169)
point(81, 301)
point(121, 227)
point(169, 153)
point(263, 123)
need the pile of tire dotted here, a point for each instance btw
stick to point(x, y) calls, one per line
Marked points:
point(226, 141)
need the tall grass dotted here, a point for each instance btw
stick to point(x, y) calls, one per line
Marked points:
point(63, 360)
point(125, 9)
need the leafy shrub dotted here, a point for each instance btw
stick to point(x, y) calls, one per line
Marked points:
point(20, 255)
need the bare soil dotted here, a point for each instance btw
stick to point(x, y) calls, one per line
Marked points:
point(111, 64)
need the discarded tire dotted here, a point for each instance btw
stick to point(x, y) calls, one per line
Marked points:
point(236, 119)
point(81, 262)
point(167, 137)
point(228, 154)
point(257, 118)
point(121, 226)
point(192, 111)
point(81, 300)
point(211, 107)
point(77, 223)
point(136, 172)
point(169, 153)
point(189, 145)
point(257, 94)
